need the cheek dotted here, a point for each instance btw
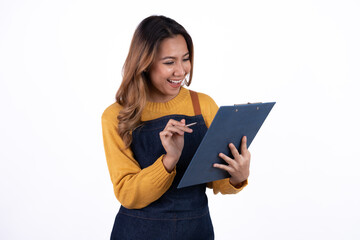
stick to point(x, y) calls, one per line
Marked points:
point(159, 72)
point(165, 72)
point(187, 67)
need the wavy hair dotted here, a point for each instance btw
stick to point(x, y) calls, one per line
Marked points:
point(133, 90)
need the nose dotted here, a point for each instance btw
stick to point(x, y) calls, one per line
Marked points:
point(179, 70)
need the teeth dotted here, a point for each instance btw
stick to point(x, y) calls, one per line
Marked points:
point(176, 82)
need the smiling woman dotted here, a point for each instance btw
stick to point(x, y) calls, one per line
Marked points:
point(148, 145)
point(147, 47)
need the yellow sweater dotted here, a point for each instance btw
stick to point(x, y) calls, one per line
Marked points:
point(135, 187)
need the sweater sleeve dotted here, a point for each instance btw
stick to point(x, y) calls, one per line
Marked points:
point(209, 109)
point(134, 187)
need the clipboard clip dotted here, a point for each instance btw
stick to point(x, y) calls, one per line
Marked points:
point(257, 108)
point(247, 103)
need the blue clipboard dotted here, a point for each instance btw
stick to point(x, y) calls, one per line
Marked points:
point(230, 124)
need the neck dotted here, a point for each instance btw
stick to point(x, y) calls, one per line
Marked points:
point(156, 96)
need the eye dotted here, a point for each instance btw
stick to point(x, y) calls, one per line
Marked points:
point(186, 59)
point(169, 63)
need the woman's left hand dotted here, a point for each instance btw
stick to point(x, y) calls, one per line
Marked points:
point(239, 166)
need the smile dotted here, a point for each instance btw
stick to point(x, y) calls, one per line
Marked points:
point(175, 81)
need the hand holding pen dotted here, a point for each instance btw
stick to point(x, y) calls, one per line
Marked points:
point(172, 139)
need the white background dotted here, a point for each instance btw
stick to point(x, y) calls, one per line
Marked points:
point(60, 67)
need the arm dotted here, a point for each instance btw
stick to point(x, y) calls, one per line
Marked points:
point(134, 187)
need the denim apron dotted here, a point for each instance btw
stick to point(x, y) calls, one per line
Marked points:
point(178, 213)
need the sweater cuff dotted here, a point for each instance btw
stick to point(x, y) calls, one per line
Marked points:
point(235, 189)
point(161, 177)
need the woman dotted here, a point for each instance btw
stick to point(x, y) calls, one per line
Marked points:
point(148, 145)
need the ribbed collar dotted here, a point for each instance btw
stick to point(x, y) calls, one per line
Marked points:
point(173, 104)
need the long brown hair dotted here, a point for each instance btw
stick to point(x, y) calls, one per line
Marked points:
point(134, 86)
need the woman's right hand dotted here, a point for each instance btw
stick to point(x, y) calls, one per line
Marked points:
point(172, 139)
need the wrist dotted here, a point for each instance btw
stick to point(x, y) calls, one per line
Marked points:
point(169, 162)
point(236, 184)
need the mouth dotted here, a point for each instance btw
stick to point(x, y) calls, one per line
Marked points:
point(175, 81)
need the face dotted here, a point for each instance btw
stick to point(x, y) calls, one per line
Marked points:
point(170, 67)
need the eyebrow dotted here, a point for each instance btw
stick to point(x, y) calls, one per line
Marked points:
point(169, 57)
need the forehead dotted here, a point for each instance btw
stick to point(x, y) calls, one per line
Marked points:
point(175, 46)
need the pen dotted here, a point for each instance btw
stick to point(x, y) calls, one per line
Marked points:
point(190, 124)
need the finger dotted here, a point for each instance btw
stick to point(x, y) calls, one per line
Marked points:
point(223, 167)
point(179, 125)
point(234, 151)
point(165, 134)
point(185, 129)
point(243, 145)
point(227, 159)
point(174, 129)
point(173, 122)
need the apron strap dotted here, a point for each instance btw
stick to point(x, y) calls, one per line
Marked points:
point(195, 102)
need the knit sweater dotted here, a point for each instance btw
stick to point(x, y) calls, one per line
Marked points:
point(135, 187)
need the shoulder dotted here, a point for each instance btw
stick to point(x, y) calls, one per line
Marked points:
point(208, 107)
point(206, 101)
point(111, 112)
